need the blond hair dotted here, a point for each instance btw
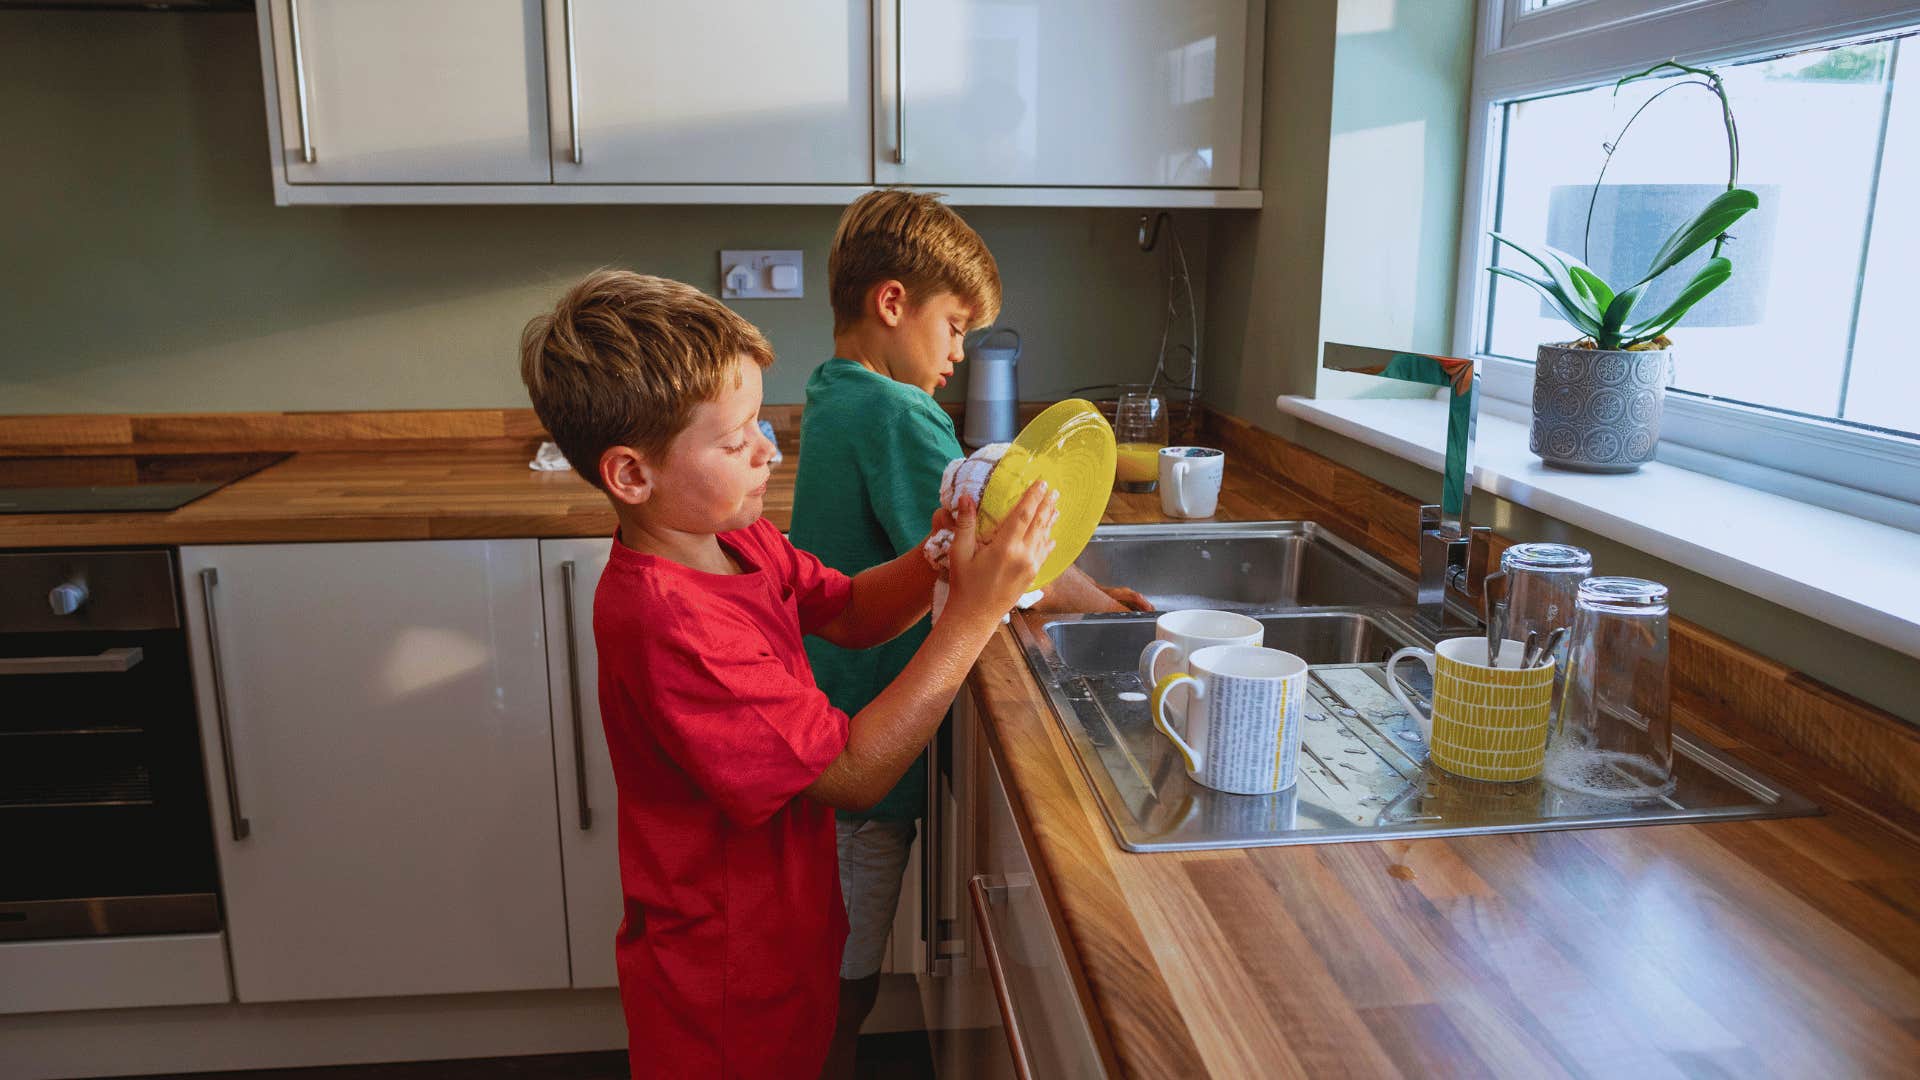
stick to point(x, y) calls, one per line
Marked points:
point(915, 239)
point(622, 360)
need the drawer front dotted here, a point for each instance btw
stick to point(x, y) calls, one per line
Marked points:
point(1038, 1002)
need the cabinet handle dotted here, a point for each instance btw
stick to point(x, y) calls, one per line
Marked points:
point(932, 847)
point(899, 85)
point(209, 578)
point(573, 696)
point(300, 83)
point(996, 969)
point(573, 89)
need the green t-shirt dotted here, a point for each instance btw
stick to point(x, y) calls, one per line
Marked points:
point(871, 454)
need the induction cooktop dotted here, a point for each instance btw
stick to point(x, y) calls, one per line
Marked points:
point(119, 483)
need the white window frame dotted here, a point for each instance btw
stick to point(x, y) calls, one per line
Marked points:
point(1587, 43)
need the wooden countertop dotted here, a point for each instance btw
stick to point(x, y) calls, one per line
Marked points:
point(1782, 947)
point(399, 495)
point(1745, 948)
point(439, 495)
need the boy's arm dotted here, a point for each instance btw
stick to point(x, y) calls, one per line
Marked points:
point(886, 601)
point(987, 580)
point(1074, 591)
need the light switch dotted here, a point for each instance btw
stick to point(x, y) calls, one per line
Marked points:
point(761, 275)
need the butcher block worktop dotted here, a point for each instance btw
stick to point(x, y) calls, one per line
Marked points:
point(1787, 947)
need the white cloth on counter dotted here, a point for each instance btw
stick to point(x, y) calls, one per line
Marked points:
point(965, 478)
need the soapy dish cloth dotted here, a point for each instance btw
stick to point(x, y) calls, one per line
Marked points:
point(965, 478)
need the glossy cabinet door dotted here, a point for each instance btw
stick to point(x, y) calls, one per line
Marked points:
point(1009, 1008)
point(1074, 93)
point(410, 91)
point(589, 825)
point(711, 91)
point(380, 752)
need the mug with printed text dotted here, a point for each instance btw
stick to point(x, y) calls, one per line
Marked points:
point(1243, 725)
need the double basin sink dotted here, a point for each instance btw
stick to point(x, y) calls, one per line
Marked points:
point(1363, 772)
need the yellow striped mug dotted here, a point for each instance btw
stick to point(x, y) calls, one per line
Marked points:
point(1487, 723)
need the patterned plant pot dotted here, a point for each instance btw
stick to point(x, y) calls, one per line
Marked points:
point(1598, 410)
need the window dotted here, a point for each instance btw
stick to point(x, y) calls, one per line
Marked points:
point(1801, 364)
point(1808, 324)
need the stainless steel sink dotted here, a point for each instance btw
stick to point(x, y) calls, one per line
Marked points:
point(1107, 644)
point(1262, 564)
point(1363, 773)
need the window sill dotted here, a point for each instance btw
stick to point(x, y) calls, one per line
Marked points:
point(1858, 575)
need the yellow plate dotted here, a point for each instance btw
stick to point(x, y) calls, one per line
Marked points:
point(1070, 446)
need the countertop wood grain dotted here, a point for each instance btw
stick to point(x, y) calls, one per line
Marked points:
point(1769, 948)
point(1753, 948)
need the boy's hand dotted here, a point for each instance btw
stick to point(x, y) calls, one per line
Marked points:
point(989, 577)
point(1127, 598)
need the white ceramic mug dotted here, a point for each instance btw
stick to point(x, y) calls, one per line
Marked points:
point(1180, 634)
point(1190, 480)
point(1244, 723)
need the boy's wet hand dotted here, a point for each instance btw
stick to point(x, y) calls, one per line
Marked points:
point(988, 578)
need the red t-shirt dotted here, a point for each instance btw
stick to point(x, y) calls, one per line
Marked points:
point(729, 953)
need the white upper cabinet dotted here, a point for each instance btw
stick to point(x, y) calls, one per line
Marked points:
point(410, 91)
point(380, 754)
point(710, 91)
point(589, 820)
point(1131, 103)
point(1074, 93)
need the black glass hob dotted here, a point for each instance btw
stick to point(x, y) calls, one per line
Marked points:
point(119, 483)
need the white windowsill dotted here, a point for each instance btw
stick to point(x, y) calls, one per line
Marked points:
point(1858, 575)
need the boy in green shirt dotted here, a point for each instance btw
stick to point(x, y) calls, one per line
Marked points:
point(907, 279)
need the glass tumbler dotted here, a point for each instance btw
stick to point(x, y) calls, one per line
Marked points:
point(1615, 734)
point(1140, 430)
point(1543, 581)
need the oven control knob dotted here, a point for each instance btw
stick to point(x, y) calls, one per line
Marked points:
point(67, 598)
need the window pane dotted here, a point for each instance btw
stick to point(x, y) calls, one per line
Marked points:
point(1781, 333)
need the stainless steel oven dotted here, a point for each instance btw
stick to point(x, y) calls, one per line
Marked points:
point(104, 826)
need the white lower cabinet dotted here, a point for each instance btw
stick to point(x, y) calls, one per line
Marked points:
point(380, 751)
point(1034, 1024)
point(589, 824)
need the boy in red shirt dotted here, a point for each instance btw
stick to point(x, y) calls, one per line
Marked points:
point(728, 759)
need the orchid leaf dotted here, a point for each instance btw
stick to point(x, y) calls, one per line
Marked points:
point(1718, 216)
point(1710, 277)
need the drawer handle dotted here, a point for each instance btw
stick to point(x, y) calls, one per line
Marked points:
point(978, 888)
point(573, 87)
point(110, 662)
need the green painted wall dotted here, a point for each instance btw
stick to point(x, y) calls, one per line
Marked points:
point(146, 268)
point(1365, 137)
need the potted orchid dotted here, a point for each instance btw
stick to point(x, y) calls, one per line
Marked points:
point(1597, 398)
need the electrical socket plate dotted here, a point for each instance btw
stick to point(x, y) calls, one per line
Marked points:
point(761, 275)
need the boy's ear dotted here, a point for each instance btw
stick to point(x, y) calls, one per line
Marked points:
point(626, 475)
point(889, 302)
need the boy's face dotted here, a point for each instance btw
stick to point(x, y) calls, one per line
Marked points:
point(713, 477)
point(932, 337)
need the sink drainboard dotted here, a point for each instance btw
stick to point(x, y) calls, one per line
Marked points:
point(1363, 772)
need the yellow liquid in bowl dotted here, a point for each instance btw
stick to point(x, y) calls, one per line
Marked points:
point(1137, 462)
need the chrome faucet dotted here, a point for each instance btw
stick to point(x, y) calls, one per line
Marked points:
point(1453, 552)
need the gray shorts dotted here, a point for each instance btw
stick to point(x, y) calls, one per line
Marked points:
point(873, 859)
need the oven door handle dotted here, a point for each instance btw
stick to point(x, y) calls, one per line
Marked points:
point(110, 662)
